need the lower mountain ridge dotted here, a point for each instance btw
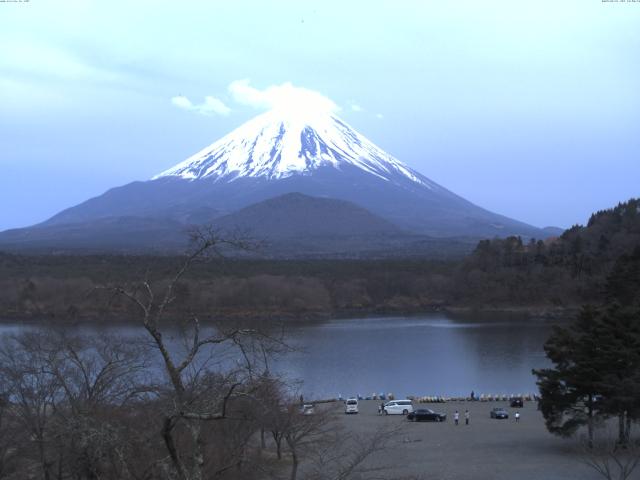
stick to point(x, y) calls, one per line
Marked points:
point(297, 215)
point(288, 226)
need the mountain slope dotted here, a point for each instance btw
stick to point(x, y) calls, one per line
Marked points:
point(276, 153)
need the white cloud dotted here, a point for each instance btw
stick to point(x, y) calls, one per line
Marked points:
point(210, 106)
point(281, 97)
point(286, 97)
point(356, 108)
point(182, 102)
point(213, 105)
point(379, 115)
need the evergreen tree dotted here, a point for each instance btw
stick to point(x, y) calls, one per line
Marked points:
point(569, 391)
point(618, 337)
point(623, 284)
point(596, 371)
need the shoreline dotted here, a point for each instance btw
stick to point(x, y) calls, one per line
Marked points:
point(532, 313)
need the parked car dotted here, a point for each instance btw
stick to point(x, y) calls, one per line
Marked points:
point(398, 407)
point(516, 402)
point(499, 413)
point(307, 409)
point(426, 415)
point(351, 405)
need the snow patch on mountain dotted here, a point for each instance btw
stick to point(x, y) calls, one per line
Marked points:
point(277, 145)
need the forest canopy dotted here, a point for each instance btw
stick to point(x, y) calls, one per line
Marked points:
point(513, 272)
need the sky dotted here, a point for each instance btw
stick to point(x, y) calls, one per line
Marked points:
point(530, 109)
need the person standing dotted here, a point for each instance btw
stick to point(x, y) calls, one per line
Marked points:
point(517, 415)
point(466, 417)
point(456, 417)
point(381, 408)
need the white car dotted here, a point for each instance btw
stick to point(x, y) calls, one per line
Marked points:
point(398, 407)
point(351, 405)
point(307, 409)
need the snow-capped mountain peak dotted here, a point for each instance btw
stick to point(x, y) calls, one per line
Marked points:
point(279, 144)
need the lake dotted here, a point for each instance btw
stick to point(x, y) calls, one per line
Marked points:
point(426, 355)
point(431, 354)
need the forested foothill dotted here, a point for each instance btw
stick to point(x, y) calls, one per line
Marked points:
point(553, 275)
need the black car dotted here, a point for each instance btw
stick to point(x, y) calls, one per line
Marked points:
point(499, 413)
point(426, 415)
point(516, 402)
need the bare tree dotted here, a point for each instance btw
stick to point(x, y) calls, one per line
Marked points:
point(32, 391)
point(347, 456)
point(191, 407)
point(317, 447)
point(10, 434)
point(97, 377)
point(65, 392)
point(610, 459)
point(195, 395)
point(301, 431)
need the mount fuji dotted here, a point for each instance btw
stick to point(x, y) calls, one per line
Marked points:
point(274, 146)
point(275, 154)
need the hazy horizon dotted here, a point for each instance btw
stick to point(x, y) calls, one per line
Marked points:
point(528, 110)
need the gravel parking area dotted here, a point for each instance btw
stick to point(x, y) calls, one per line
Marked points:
point(485, 449)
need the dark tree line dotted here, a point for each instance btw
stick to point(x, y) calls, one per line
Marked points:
point(563, 272)
point(569, 270)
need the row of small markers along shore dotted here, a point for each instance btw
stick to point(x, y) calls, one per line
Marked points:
point(481, 398)
point(439, 399)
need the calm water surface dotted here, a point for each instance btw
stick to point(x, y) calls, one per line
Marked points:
point(431, 354)
point(426, 355)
